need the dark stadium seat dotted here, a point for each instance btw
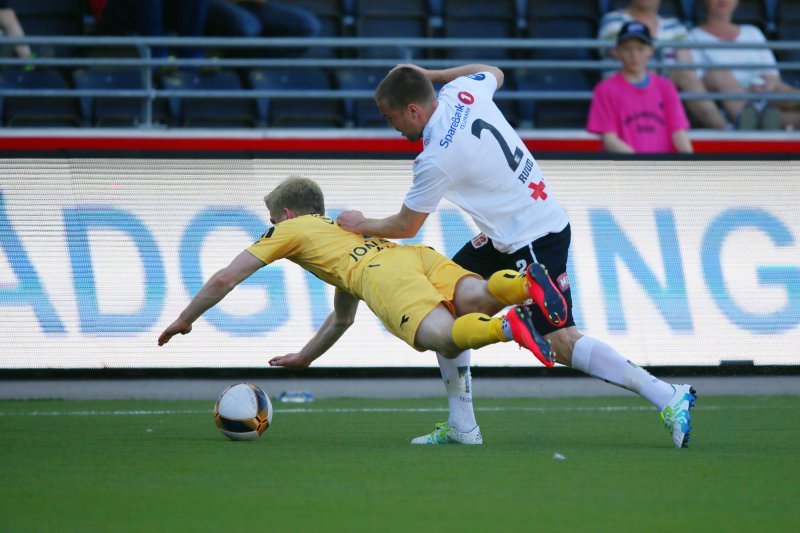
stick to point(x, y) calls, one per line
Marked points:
point(287, 112)
point(788, 23)
point(480, 19)
point(361, 113)
point(566, 113)
point(391, 19)
point(209, 112)
point(51, 17)
point(115, 112)
point(37, 111)
point(336, 20)
point(565, 19)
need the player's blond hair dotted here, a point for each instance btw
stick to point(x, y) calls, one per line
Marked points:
point(403, 86)
point(301, 195)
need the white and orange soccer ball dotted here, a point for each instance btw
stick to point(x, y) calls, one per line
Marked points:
point(243, 411)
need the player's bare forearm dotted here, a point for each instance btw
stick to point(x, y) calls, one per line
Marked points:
point(337, 322)
point(390, 228)
point(214, 290)
point(404, 224)
point(210, 295)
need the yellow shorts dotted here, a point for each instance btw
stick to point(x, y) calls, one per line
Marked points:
point(402, 285)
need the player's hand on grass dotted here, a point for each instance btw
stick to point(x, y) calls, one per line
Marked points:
point(179, 326)
point(350, 220)
point(292, 360)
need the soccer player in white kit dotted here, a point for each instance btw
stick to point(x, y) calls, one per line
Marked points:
point(473, 157)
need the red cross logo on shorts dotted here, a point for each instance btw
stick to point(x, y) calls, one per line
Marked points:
point(538, 190)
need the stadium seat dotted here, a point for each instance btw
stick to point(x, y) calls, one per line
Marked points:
point(788, 19)
point(361, 113)
point(115, 112)
point(565, 19)
point(335, 17)
point(37, 111)
point(480, 19)
point(51, 17)
point(209, 112)
point(392, 19)
point(566, 113)
point(288, 112)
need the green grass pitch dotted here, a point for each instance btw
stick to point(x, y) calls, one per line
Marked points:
point(346, 465)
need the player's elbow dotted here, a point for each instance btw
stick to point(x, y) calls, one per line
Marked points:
point(407, 232)
point(343, 322)
point(223, 280)
point(499, 76)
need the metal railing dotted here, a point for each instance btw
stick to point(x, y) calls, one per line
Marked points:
point(149, 65)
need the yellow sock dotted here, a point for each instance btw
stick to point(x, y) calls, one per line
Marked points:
point(509, 287)
point(476, 330)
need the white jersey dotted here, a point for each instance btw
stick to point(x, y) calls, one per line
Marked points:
point(474, 158)
point(762, 58)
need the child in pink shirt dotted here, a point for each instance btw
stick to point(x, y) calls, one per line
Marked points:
point(634, 110)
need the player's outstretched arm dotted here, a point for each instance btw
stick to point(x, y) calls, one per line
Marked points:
point(341, 318)
point(214, 290)
point(449, 74)
point(402, 225)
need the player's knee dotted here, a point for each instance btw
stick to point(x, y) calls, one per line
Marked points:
point(563, 341)
point(449, 352)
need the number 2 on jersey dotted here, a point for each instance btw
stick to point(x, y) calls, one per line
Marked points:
point(514, 159)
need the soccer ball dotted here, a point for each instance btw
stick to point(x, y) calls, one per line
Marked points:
point(243, 411)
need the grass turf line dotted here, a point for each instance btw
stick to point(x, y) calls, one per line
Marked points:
point(346, 465)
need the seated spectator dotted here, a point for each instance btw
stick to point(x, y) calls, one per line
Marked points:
point(667, 29)
point(261, 18)
point(634, 110)
point(153, 18)
point(10, 26)
point(719, 28)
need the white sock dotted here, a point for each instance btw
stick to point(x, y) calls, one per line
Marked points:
point(458, 384)
point(598, 359)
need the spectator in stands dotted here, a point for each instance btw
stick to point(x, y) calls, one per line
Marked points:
point(261, 18)
point(10, 26)
point(719, 28)
point(667, 29)
point(634, 110)
point(154, 18)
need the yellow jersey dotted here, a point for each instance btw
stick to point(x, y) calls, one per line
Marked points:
point(319, 245)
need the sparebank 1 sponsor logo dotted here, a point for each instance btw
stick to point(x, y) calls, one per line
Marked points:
point(459, 120)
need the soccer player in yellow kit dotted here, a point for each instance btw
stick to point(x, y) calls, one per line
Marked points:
point(415, 291)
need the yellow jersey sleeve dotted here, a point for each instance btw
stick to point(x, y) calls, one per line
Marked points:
point(279, 241)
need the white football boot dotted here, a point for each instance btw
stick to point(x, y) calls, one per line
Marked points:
point(444, 434)
point(676, 416)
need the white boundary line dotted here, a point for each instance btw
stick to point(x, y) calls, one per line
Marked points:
point(606, 408)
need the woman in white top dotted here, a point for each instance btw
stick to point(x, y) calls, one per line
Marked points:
point(666, 29)
point(764, 77)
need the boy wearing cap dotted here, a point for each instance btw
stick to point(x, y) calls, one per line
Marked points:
point(636, 111)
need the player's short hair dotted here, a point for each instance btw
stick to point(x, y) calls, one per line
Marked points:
point(404, 86)
point(301, 195)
